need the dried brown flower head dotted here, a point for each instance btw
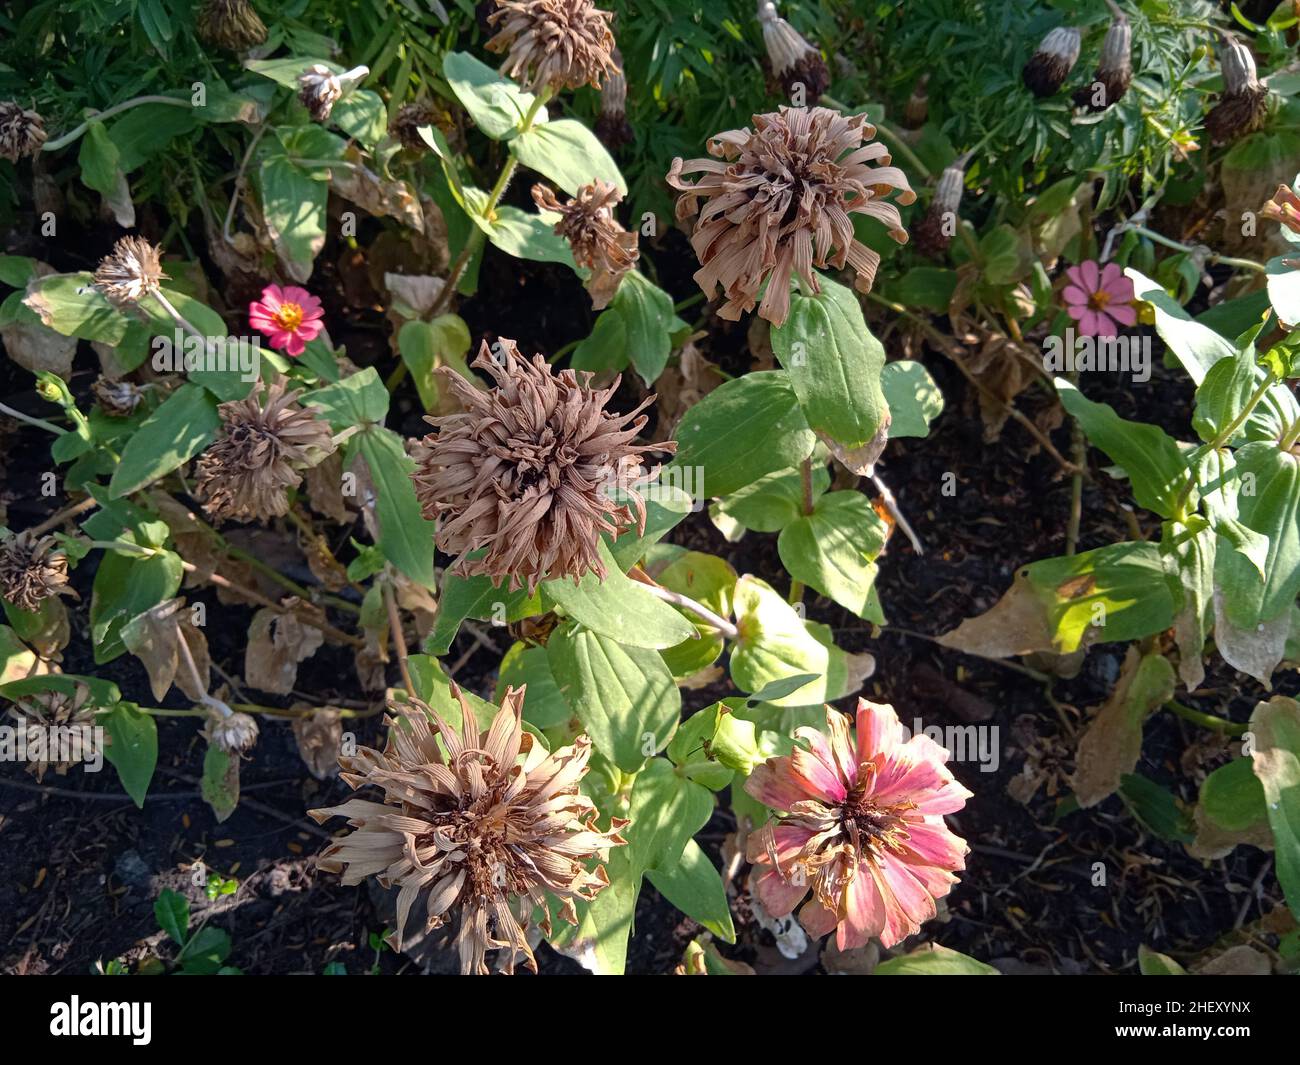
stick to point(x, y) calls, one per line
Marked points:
point(917, 109)
point(233, 733)
point(791, 61)
point(933, 234)
point(485, 828)
point(32, 569)
point(612, 126)
point(599, 243)
point(1284, 207)
point(1244, 104)
point(779, 201)
point(265, 443)
point(1114, 68)
point(132, 271)
point(60, 717)
point(22, 132)
point(407, 122)
point(553, 44)
point(319, 89)
point(1051, 64)
point(118, 399)
point(231, 24)
point(524, 471)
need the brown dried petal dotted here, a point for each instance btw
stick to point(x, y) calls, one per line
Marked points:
point(553, 44)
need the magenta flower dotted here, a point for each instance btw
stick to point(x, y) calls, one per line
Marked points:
point(1099, 299)
point(861, 825)
point(290, 317)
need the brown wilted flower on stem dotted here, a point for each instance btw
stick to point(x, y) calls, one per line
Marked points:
point(232, 733)
point(118, 399)
point(231, 24)
point(132, 271)
point(407, 122)
point(599, 243)
point(779, 201)
point(32, 569)
point(933, 234)
point(553, 44)
point(264, 445)
point(319, 90)
point(1052, 62)
point(524, 471)
point(792, 61)
point(49, 714)
point(1114, 68)
point(1284, 207)
point(612, 126)
point(917, 109)
point(22, 132)
point(484, 828)
point(1244, 103)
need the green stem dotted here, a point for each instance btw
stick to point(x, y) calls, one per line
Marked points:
point(1209, 721)
point(1214, 257)
point(40, 423)
point(99, 116)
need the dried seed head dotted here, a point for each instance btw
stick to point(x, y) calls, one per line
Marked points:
point(917, 109)
point(407, 122)
point(612, 126)
point(61, 710)
point(791, 60)
point(118, 399)
point(486, 828)
point(32, 570)
point(265, 443)
point(1284, 207)
point(781, 203)
point(1244, 104)
point(22, 132)
point(231, 24)
point(553, 44)
point(1114, 68)
point(933, 234)
point(233, 733)
point(319, 90)
point(599, 243)
point(1051, 64)
point(525, 471)
point(132, 271)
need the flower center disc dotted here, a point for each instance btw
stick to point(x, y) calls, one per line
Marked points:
point(289, 316)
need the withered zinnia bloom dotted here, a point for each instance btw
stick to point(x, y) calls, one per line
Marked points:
point(525, 471)
point(118, 399)
point(778, 202)
point(933, 234)
point(130, 272)
point(265, 443)
point(406, 125)
point(1114, 68)
point(1051, 64)
point(231, 24)
point(68, 712)
point(22, 132)
point(612, 127)
point(484, 828)
point(791, 60)
point(1244, 104)
point(32, 569)
point(553, 44)
point(860, 825)
point(319, 89)
point(1284, 207)
point(599, 243)
point(233, 733)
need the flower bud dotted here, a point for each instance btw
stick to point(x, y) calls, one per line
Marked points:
point(1244, 103)
point(1051, 64)
point(1114, 68)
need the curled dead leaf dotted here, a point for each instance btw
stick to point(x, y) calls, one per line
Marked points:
point(277, 642)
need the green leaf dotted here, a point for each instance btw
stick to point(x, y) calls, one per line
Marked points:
point(1153, 963)
point(666, 505)
point(605, 348)
point(600, 940)
point(220, 783)
point(926, 286)
point(71, 305)
point(127, 585)
point(1233, 797)
point(773, 501)
point(425, 346)
point(406, 536)
point(619, 607)
point(98, 158)
point(293, 203)
point(913, 397)
point(624, 696)
point(285, 72)
point(934, 960)
point(1276, 760)
point(132, 748)
point(204, 953)
point(497, 105)
point(1149, 456)
point(695, 887)
point(568, 153)
point(544, 704)
point(647, 313)
point(1155, 807)
point(172, 911)
point(834, 363)
point(361, 115)
point(522, 234)
point(745, 428)
point(667, 810)
point(475, 597)
point(833, 549)
point(1197, 347)
point(182, 426)
point(359, 400)
point(775, 644)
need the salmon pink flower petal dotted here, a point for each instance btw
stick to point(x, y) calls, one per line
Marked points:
point(1123, 313)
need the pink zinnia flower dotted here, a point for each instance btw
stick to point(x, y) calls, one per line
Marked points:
point(862, 828)
point(290, 317)
point(1099, 298)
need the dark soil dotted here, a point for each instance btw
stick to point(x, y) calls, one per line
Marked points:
point(80, 866)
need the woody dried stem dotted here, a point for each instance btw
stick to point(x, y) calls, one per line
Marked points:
point(399, 638)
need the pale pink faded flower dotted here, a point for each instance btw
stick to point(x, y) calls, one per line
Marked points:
point(860, 824)
point(1099, 298)
point(290, 316)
